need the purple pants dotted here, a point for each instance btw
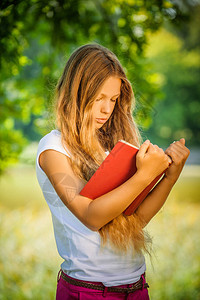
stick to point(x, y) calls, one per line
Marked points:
point(67, 291)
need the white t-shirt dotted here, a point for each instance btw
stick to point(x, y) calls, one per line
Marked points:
point(79, 246)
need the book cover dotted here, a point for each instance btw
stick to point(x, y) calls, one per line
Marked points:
point(118, 167)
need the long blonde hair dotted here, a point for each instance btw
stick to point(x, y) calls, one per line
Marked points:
point(84, 74)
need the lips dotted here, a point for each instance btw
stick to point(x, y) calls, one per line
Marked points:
point(101, 120)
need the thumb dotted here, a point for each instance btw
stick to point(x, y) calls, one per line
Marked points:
point(143, 148)
point(182, 141)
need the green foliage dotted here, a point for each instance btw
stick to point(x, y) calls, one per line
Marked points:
point(179, 69)
point(37, 38)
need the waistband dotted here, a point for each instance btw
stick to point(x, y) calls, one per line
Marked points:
point(128, 288)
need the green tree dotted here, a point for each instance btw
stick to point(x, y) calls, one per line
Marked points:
point(38, 36)
point(176, 60)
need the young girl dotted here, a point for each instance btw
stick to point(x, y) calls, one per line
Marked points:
point(103, 250)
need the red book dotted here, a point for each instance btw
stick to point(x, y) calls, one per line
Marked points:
point(118, 166)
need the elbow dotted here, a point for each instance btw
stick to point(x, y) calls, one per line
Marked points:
point(92, 220)
point(91, 227)
point(92, 224)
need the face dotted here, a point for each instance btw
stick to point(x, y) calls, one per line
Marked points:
point(105, 101)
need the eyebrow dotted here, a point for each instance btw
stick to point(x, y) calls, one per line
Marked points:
point(111, 97)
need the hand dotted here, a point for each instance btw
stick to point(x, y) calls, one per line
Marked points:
point(151, 160)
point(179, 154)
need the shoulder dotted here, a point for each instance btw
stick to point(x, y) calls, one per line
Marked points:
point(52, 141)
point(49, 149)
point(53, 160)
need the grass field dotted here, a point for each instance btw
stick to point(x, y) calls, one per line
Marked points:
point(28, 257)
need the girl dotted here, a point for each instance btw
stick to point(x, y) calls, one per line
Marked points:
point(102, 249)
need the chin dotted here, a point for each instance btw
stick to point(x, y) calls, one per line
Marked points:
point(98, 127)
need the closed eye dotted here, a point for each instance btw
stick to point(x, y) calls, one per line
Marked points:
point(114, 100)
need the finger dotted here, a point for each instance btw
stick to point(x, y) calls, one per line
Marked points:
point(182, 140)
point(143, 148)
point(173, 155)
point(181, 144)
point(151, 148)
point(181, 148)
point(158, 148)
point(182, 153)
point(178, 147)
point(177, 156)
point(175, 150)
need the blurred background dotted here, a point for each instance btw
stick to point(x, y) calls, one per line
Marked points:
point(158, 44)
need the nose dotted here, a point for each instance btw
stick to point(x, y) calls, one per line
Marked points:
point(106, 107)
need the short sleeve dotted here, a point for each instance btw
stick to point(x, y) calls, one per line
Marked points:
point(52, 141)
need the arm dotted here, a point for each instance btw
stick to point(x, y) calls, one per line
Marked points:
point(96, 213)
point(156, 199)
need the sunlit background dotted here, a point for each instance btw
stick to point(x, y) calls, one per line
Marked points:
point(158, 44)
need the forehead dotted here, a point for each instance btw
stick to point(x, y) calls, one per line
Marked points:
point(111, 87)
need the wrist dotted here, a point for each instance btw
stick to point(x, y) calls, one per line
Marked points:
point(144, 177)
